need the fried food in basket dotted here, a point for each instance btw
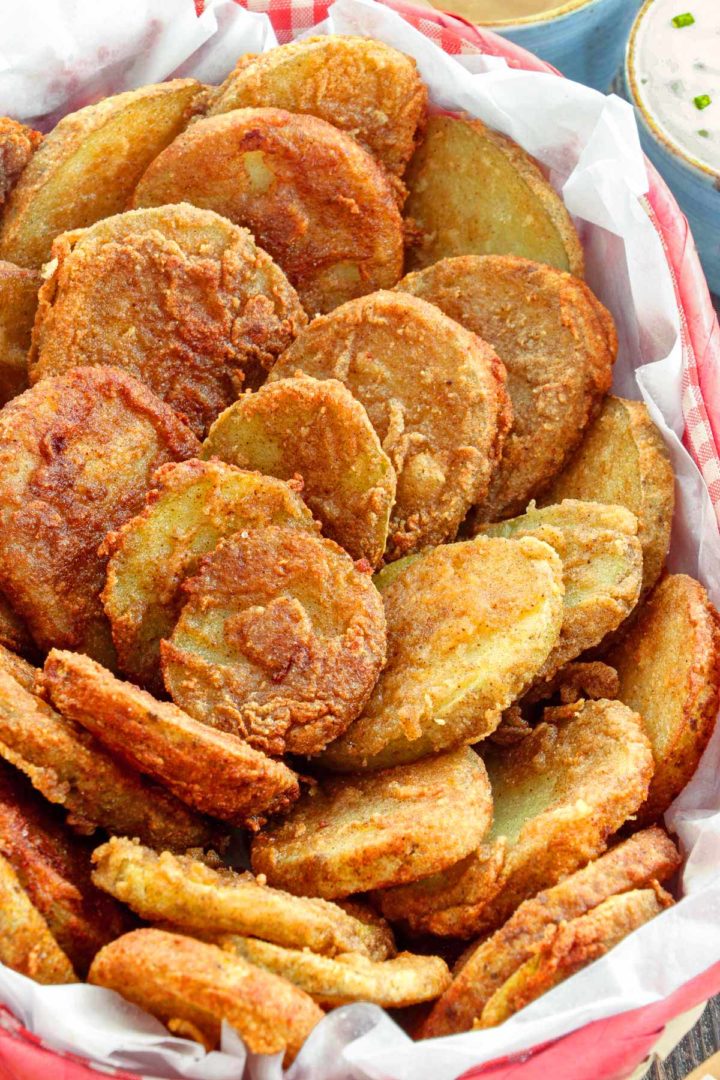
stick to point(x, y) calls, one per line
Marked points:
point(351, 834)
point(633, 864)
point(281, 640)
point(668, 664)
point(192, 987)
point(318, 431)
point(469, 627)
point(18, 143)
point(77, 453)
point(361, 86)
point(558, 344)
point(622, 459)
point(435, 395)
point(89, 164)
point(26, 944)
point(312, 197)
point(209, 770)
point(192, 506)
point(474, 191)
point(18, 303)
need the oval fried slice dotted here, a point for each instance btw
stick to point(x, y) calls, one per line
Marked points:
point(435, 395)
point(469, 625)
point(210, 770)
point(668, 664)
point(18, 304)
point(332, 845)
point(77, 453)
point(26, 944)
point(558, 344)
point(192, 987)
point(179, 297)
point(311, 196)
point(281, 640)
point(17, 145)
point(192, 506)
point(319, 432)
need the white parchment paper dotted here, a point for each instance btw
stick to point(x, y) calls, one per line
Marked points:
point(56, 55)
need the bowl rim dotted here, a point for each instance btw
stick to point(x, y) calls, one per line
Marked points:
point(560, 11)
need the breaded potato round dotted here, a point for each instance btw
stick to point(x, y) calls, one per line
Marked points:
point(200, 898)
point(474, 191)
point(623, 460)
point(669, 669)
point(18, 304)
point(361, 86)
point(192, 987)
point(192, 506)
point(179, 297)
point(435, 395)
point(558, 344)
point(89, 164)
point(14, 634)
point(26, 944)
point(318, 431)
point(77, 453)
point(18, 143)
point(469, 626)
point(311, 196)
point(210, 770)
point(350, 834)
point(281, 640)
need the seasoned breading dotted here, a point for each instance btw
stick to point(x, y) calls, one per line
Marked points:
point(212, 771)
point(435, 395)
point(19, 668)
point(14, 634)
point(177, 296)
point(579, 679)
point(318, 432)
point(77, 453)
point(281, 640)
point(26, 944)
point(18, 304)
point(312, 197)
point(558, 344)
point(18, 143)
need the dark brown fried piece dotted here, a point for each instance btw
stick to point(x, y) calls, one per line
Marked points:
point(14, 634)
point(18, 143)
point(26, 944)
point(590, 679)
point(18, 304)
point(19, 668)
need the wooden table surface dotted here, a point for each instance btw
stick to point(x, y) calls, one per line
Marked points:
point(697, 1046)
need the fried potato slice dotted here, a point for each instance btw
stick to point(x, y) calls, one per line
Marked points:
point(469, 625)
point(361, 86)
point(26, 944)
point(14, 634)
point(210, 770)
point(192, 506)
point(192, 987)
point(18, 143)
point(281, 640)
point(18, 304)
point(199, 898)
point(558, 344)
point(351, 834)
point(179, 297)
point(668, 664)
point(645, 857)
point(77, 453)
point(474, 191)
point(69, 767)
point(311, 196)
point(89, 164)
point(317, 431)
point(623, 460)
point(435, 395)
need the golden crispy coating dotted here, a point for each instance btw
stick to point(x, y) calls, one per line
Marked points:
point(669, 669)
point(435, 395)
point(312, 197)
point(359, 85)
point(192, 506)
point(316, 431)
point(18, 303)
point(469, 627)
point(210, 770)
point(622, 459)
point(26, 944)
point(17, 145)
point(68, 766)
point(192, 987)
point(589, 679)
point(356, 833)
point(18, 668)
point(179, 297)
point(558, 344)
point(377, 930)
point(88, 166)
point(474, 191)
point(77, 453)
point(14, 634)
point(202, 899)
point(53, 867)
point(281, 641)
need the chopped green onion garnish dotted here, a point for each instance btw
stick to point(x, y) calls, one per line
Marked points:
point(683, 20)
point(704, 133)
point(702, 101)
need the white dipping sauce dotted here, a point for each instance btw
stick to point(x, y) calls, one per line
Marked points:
point(674, 65)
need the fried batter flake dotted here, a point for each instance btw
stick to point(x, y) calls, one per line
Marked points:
point(18, 143)
point(26, 944)
point(18, 304)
